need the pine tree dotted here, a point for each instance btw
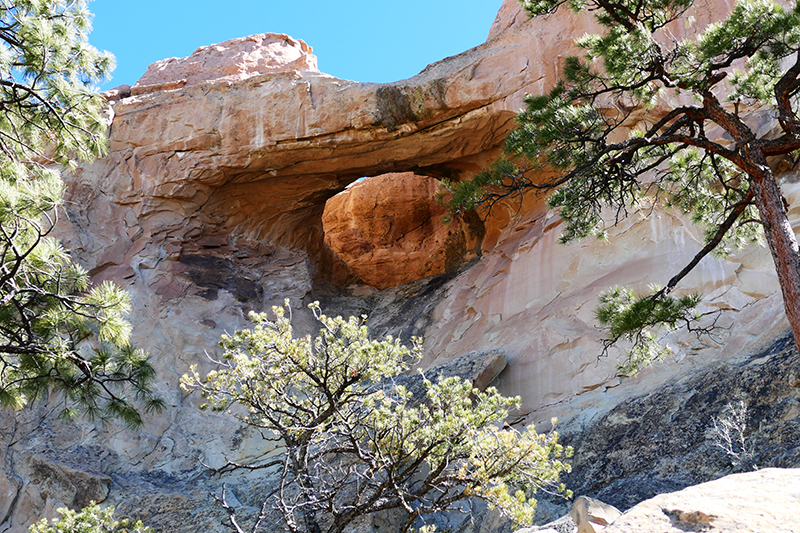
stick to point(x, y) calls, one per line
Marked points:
point(355, 442)
point(57, 334)
point(724, 180)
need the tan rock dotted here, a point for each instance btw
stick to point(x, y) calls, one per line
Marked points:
point(592, 516)
point(510, 14)
point(528, 278)
point(117, 93)
point(246, 138)
point(231, 61)
point(390, 230)
point(755, 502)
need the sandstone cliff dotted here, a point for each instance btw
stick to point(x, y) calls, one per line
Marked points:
point(212, 203)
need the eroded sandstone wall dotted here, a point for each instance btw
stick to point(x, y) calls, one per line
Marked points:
point(392, 229)
point(210, 205)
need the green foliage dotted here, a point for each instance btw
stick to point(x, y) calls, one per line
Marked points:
point(56, 333)
point(636, 319)
point(357, 442)
point(706, 187)
point(91, 519)
point(468, 195)
point(47, 68)
point(634, 64)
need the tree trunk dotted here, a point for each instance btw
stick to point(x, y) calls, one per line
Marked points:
point(782, 244)
point(304, 483)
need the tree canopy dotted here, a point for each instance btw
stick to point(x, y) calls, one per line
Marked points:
point(56, 332)
point(699, 149)
point(355, 442)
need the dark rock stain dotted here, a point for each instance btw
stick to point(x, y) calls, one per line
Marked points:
point(398, 105)
point(216, 273)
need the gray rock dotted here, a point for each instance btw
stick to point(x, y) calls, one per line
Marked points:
point(659, 442)
point(170, 503)
point(565, 524)
point(72, 487)
point(479, 367)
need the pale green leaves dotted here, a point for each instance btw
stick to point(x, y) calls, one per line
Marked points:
point(48, 69)
point(91, 519)
point(266, 366)
point(357, 442)
point(707, 187)
point(111, 305)
point(759, 31)
point(693, 151)
point(652, 14)
point(752, 25)
point(57, 336)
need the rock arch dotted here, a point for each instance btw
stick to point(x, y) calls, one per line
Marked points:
point(242, 143)
point(209, 204)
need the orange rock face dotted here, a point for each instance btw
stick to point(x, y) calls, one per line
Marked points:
point(389, 230)
point(510, 14)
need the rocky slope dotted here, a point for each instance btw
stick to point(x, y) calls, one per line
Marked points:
point(663, 439)
point(211, 204)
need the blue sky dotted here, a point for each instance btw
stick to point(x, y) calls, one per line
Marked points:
point(378, 40)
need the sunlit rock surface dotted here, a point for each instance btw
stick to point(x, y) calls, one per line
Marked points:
point(391, 229)
point(231, 61)
point(210, 205)
point(766, 500)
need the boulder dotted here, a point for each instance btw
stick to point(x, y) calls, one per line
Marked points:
point(391, 229)
point(766, 500)
point(592, 516)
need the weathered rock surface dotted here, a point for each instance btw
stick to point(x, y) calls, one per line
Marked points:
point(231, 61)
point(210, 204)
point(479, 368)
point(383, 249)
point(592, 516)
point(661, 440)
point(754, 502)
point(564, 524)
point(194, 154)
point(761, 501)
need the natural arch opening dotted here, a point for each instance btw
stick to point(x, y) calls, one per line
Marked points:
point(390, 229)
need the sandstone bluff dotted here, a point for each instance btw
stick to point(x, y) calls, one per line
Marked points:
point(212, 203)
